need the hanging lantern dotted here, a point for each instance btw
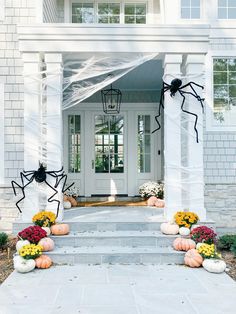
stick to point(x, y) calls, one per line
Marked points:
point(111, 100)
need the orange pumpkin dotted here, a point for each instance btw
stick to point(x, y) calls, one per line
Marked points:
point(43, 261)
point(193, 258)
point(60, 229)
point(181, 244)
point(65, 198)
point(47, 244)
point(72, 200)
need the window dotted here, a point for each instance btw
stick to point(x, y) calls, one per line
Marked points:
point(82, 13)
point(109, 13)
point(135, 13)
point(109, 144)
point(144, 143)
point(190, 9)
point(74, 143)
point(224, 79)
point(226, 9)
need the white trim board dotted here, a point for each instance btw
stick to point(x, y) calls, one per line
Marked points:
point(2, 174)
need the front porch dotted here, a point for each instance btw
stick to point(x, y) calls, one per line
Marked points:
point(182, 156)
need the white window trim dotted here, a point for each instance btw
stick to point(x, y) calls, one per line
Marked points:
point(2, 132)
point(192, 19)
point(209, 90)
point(122, 9)
point(2, 10)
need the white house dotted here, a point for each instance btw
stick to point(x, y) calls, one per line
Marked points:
point(55, 58)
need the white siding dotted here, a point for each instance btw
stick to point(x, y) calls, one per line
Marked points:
point(2, 137)
point(2, 10)
point(50, 11)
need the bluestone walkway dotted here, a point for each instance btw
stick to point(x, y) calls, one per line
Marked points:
point(118, 289)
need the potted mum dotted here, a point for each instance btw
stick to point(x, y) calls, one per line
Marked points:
point(33, 234)
point(203, 234)
point(45, 220)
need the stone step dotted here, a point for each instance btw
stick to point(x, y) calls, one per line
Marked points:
point(114, 238)
point(83, 226)
point(116, 255)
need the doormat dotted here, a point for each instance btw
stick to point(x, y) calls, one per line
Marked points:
point(112, 203)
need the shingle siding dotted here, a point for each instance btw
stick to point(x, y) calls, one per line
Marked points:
point(11, 68)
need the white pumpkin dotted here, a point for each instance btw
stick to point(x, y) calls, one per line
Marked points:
point(184, 231)
point(20, 244)
point(47, 229)
point(22, 265)
point(199, 245)
point(195, 226)
point(169, 228)
point(67, 204)
point(214, 265)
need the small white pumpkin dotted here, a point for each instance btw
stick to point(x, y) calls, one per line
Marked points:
point(20, 244)
point(184, 231)
point(195, 226)
point(47, 229)
point(199, 245)
point(67, 204)
point(169, 228)
point(214, 265)
point(22, 265)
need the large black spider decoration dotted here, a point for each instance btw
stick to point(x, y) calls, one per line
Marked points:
point(40, 176)
point(177, 87)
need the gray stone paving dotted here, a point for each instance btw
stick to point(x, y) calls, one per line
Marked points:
point(118, 289)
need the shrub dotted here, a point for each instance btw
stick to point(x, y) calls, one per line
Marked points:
point(203, 234)
point(233, 247)
point(225, 242)
point(3, 239)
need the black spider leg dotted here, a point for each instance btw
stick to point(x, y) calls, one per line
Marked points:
point(165, 87)
point(50, 199)
point(14, 183)
point(55, 171)
point(64, 176)
point(188, 112)
point(194, 94)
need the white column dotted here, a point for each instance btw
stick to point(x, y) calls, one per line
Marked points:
point(31, 131)
point(172, 140)
point(54, 123)
point(195, 72)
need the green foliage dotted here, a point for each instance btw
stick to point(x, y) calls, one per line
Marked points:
point(226, 241)
point(3, 239)
point(233, 247)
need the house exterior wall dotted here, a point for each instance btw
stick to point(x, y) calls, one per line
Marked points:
point(11, 67)
point(219, 146)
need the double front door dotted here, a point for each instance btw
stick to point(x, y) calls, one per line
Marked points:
point(111, 154)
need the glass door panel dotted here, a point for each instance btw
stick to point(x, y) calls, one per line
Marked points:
point(109, 144)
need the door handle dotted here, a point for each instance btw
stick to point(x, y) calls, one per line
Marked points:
point(92, 164)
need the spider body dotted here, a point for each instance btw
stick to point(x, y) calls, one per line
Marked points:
point(176, 87)
point(41, 176)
